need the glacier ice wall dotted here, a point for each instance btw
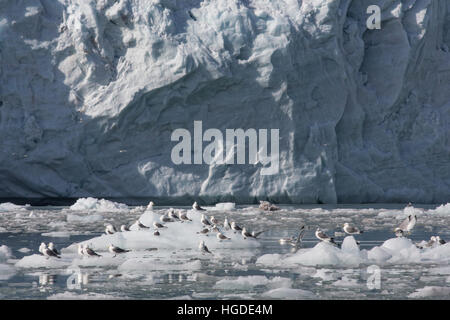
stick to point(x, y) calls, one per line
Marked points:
point(90, 92)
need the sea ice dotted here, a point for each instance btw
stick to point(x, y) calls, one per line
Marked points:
point(289, 293)
point(98, 205)
point(247, 282)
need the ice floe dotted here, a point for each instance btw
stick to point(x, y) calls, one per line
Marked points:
point(98, 205)
point(8, 206)
point(247, 282)
point(392, 251)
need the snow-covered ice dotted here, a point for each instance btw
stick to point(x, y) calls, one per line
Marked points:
point(98, 205)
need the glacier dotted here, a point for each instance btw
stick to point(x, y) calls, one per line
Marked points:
point(90, 92)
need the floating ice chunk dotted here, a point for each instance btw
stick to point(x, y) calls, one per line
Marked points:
point(6, 271)
point(5, 253)
point(176, 235)
point(270, 259)
point(289, 293)
point(8, 206)
point(378, 254)
point(349, 245)
point(3, 230)
point(225, 206)
point(412, 211)
point(102, 205)
point(442, 210)
point(431, 291)
point(58, 234)
point(325, 274)
point(326, 254)
point(246, 282)
point(39, 261)
point(346, 282)
point(84, 219)
point(24, 250)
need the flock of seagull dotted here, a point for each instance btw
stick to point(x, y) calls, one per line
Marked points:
point(212, 225)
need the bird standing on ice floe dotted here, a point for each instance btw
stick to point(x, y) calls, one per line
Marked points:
point(52, 247)
point(235, 227)
point(203, 248)
point(110, 229)
point(197, 207)
point(172, 214)
point(398, 232)
point(203, 231)
point(322, 236)
point(246, 234)
point(440, 241)
point(116, 250)
point(407, 225)
point(150, 205)
point(158, 225)
point(348, 229)
point(221, 236)
point(205, 221)
point(165, 218)
point(89, 252)
point(156, 233)
point(214, 220)
point(80, 250)
point(183, 216)
point(47, 252)
point(267, 206)
point(124, 228)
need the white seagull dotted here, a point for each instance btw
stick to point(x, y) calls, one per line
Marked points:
point(150, 205)
point(173, 215)
point(158, 225)
point(89, 252)
point(116, 250)
point(323, 237)
point(183, 216)
point(221, 236)
point(226, 224)
point(165, 218)
point(214, 220)
point(246, 234)
point(348, 229)
point(52, 247)
point(141, 226)
point(203, 248)
point(110, 229)
point(196, 206)
point(205, 221)
point(47, 252)
point(407, 225)
point(124, 228)
point(267, 206)
point(203, 231)
point(235, 227)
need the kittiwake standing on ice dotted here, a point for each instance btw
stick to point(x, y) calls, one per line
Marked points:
point(226, 224)
point(110, 229)
point(158, 225)
point(197, 207)
point(116, 250)
point(124, 228)
point(322, 236)
point(89, 252)
point(141, 226)
point(205, 221)
point(213, 220)
point(183, 216)
point(165, 218)
point(173, 215)
point(47, 252)
point(203, 248)
point(235, 227)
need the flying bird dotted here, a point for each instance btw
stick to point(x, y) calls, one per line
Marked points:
point(90, 252)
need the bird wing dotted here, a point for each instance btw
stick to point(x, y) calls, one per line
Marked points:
point(404, 224)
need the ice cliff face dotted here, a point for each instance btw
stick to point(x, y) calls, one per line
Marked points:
point(90, 92)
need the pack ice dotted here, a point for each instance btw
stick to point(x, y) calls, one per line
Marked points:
point(90, 92)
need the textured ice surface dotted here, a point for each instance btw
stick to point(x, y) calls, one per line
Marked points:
point(177, 235)
point(99, 205)
point(392, 251)
point(91, 91)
